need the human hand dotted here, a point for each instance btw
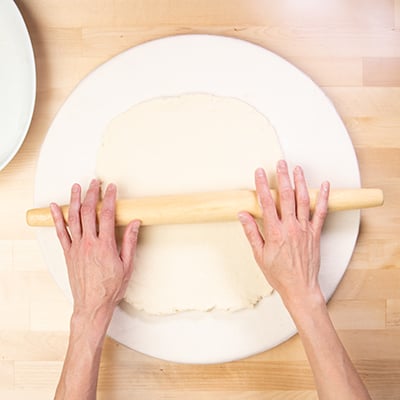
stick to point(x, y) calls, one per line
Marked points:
point(288, 247)
point(98, 272)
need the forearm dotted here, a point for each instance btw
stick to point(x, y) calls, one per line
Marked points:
point(81, 367)
point(334, 373)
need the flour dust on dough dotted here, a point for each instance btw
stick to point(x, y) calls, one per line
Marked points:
point(187, 144)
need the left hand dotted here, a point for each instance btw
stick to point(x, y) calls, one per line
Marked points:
point(98, 272)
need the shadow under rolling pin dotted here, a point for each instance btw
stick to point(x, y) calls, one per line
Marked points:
point(209, 207)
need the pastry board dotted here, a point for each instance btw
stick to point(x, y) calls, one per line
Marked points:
point(311, 134)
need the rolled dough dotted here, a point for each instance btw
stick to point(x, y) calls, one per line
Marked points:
point(186, 144)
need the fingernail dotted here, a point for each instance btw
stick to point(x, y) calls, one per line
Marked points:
point(136, 225)
point(282, 165)
point(75, 188)
point(241, 217)
point(259, 172)
point(325, 186)
point(297, 170)
point(111, 186)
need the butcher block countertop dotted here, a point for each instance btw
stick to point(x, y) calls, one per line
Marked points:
point(351, 49)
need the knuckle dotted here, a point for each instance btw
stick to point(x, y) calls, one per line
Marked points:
point(62, 235)
point(266, 201)
point(303, 199)
point(249, 230)
point(73, 218)
point(292, 227)
point(86, 210)
point(88, 245)
point(253, 238)
point(322, 213)
point(286, 193)
point(107, 214)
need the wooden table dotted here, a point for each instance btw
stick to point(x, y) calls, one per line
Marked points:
point(349, 48)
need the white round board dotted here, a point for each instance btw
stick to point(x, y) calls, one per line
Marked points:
point(17, 81)
point(311, 135)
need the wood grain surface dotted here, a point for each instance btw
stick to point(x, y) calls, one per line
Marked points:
point(351, 49)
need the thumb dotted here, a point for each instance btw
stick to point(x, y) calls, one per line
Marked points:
point(253, 234)
point(128, 246)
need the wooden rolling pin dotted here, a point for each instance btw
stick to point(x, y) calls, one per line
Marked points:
point(209, 207)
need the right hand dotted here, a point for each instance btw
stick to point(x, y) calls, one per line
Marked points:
point(288, 248)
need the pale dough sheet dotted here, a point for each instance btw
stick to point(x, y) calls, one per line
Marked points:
point(186, 144)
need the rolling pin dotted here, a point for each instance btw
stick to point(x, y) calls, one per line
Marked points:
point(209, 207)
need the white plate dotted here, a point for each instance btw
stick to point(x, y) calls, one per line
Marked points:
point(311, 134)
point(17, 81)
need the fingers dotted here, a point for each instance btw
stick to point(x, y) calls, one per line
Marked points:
point(128, 246)
point(286, 193)
point(293, 203)
point(321, 208)
point(302, 197)
point(88, 208)
point(61, 229)
point(252, 233)
point(74, 217)
point(265, 197)
point(107, 214)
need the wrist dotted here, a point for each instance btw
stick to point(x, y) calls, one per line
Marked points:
point(93, 323)
point(305, 304)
